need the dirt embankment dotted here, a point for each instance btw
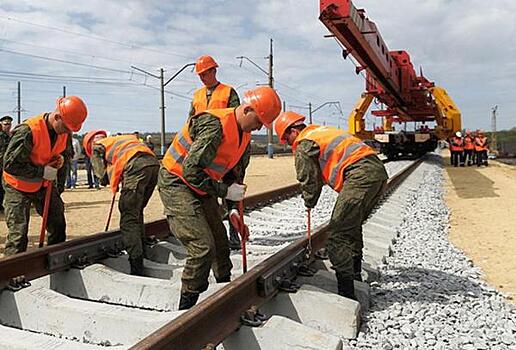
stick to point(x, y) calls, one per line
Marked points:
point(483, 220)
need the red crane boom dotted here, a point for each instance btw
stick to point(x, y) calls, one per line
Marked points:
point(390, 75)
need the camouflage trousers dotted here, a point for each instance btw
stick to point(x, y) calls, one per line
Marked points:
point(196, 221)
point(17, 213)
point(364, 184)
point(138, 183)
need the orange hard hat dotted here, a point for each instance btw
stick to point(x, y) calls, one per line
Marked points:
point(73, 111)
point(265, 102)
point(88, 138)
point(204, 63)
point(285, 121)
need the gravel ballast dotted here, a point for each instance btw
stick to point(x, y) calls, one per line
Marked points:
point(429, 295)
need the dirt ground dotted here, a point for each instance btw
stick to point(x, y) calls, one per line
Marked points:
point(86, 209)
point(483, 220)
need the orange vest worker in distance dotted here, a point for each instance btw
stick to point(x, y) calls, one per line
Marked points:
point(213, 95)
point(457, 144)
point(469, 142)
point(481, 143)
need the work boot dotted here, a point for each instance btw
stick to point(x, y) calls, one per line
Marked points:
point(234, 239)
point(188, 299)
point(224, 279)
point(137, 266)
point(322, 254)
point(345, 286)
point(357, 268)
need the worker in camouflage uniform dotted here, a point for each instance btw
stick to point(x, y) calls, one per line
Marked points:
point(5, 136)
point(214, 95)
point(128, 162)
point(210, 145)
point(34, 158)
point(327, 155)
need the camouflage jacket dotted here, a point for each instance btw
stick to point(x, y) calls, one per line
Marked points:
point(4, 142)
point(206, 133)
point(309, 172)
point(17, 156)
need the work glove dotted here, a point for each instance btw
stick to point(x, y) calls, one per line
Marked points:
point(236, 192)
point(56, 162)
point(240, 227)
point(49, 173)
point(234, 216)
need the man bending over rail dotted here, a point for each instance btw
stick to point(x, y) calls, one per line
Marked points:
point(33, 158)
point(210, 145)
point(329, 156)
point(215, 95)
point(129, 162)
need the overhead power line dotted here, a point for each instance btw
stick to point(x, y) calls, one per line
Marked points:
point(67, 61)
point(71, 52)
point(27, 74)
point(95, 37)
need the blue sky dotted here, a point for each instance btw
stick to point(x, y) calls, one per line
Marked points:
point(466, 46)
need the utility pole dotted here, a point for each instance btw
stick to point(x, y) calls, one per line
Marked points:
point(162, 107)
point(310, 113)
point(19, 102)
point(494, 145)
point(64, 91)
point(270, 148)
point(163, 83)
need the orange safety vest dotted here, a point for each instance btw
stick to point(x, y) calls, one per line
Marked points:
point(456, 144)
point(480, 144)
point(219, 98)
point(228, 154)
point(41, 154)
point(469, 144)
point(338, 150)
point(119, 150)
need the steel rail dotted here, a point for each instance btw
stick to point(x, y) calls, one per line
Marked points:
point(215, 318)
point(34, 264)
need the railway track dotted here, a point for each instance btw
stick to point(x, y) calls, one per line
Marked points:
point(78, 294)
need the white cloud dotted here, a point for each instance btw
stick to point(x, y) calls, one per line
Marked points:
point(465, 46)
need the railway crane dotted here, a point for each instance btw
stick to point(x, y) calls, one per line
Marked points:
point(390, 80)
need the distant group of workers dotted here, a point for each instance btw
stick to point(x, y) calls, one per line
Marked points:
point(206, 160)
point(469, 149)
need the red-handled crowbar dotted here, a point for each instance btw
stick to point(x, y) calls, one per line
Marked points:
point(309, 232)
point(48, 194)
point(243, 231)
point(110, 212)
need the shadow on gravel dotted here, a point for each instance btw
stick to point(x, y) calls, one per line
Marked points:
point(426, 286)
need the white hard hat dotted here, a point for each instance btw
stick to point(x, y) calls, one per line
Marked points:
point(458, 134)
